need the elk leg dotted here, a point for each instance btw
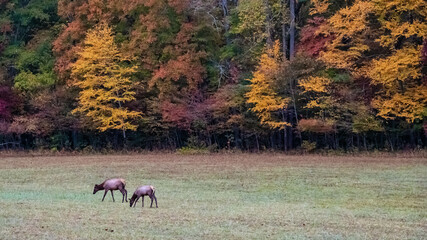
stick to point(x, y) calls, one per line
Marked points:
point(151, 197)
point(123, 195)
point(105, 193)
point(154, 196)
point(142, 201)
point(112, 195)
point(134, 204)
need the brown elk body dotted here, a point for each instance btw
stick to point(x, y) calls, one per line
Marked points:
point(111, 185)
point(141, 192)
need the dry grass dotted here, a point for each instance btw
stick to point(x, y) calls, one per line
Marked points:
point(240, 196)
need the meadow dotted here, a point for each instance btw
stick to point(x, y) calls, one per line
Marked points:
point(221, 196)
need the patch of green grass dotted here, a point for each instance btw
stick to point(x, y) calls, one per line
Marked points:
point(238, 196)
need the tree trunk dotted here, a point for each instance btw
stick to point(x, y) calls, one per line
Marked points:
point(285, 136)
point(236, 137)
point(225, 12)
point(377, 146)
point(92, 140)
point(291, 87)
point(178, 139)
point(269, 25)
point(124, 138)
point(74, 137)
point(284, 31)
point(337, 142)
point(209, 139)
point(358, 141)
point(257, 142)
point(364, 142)
point(292, 30)
point(284, 41)
point(326, 140)
point(243, 141)
point(116, 135)
point(272, 140)
point(390, 141)
point(124, 133)
point(412, 137)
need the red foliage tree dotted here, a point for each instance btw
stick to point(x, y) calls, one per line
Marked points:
point(8, 102)
point(80, 16)
point(312, 42)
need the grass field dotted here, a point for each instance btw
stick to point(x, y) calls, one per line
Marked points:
point(239, 196)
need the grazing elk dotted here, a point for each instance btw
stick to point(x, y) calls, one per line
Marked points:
point(110, 185)
point(141, 192)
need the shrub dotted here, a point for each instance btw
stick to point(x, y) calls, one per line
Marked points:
point(308, 146)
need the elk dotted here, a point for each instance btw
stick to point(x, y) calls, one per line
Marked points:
point(142, 191)
point(110, 185)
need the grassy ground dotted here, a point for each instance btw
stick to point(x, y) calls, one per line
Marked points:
point(238, 196)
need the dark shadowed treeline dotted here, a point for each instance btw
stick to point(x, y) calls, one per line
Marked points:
point(213, 74)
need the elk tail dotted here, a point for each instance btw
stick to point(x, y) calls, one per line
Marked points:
point(153, 188)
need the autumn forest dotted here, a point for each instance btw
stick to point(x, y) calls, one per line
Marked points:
point(254, 75)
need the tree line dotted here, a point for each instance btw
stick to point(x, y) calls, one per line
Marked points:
point(213, 74)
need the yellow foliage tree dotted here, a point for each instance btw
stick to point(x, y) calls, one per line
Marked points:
point(104, 81)
point(402, 66)
point(315, 84)
point(319, 7)
point(318, 90)
point(401, 19)
point(261, 94)
point(350, 30)
point(403, 94)
point(409, 105)
point(358, 39)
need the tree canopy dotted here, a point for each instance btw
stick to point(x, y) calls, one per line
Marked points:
point(248, 74)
